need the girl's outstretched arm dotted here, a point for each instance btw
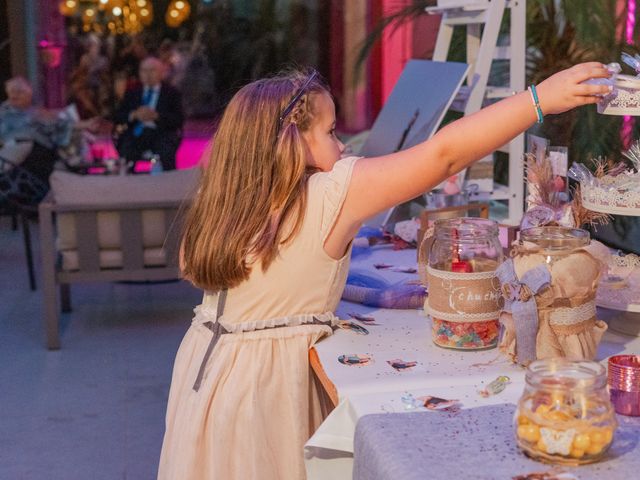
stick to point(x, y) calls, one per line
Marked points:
point(382, 182)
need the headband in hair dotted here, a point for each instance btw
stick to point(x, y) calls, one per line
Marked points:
point(301, 91)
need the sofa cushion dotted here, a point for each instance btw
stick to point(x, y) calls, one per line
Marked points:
point(112, 259)
point(105, 191)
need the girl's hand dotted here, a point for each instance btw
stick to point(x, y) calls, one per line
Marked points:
point(565, 90)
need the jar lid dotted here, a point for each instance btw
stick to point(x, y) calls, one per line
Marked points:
point(465, 228)
point(560, 373)
point(556, 238)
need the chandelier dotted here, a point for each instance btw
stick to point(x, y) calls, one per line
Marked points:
point(121, 16)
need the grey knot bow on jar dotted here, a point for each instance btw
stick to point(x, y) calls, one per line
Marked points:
point(519, 301)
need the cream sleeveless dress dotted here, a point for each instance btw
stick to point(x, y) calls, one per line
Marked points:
point(256, 404)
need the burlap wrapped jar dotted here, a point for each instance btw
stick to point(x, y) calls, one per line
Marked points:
point(464, 293)
point(549, 288)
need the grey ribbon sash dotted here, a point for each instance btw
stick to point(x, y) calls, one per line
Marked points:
point(218, 330)
point(519, 300)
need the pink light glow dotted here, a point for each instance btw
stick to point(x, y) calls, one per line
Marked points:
point(631, 20)
point(191, 151)
point(627, 123)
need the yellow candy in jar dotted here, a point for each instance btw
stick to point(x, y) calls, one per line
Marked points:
point(581, 442)
point(577, 453)
point(595, 448)
point(530, 433)
point(608, 435)
point(541, 446)
point(522, 420)
point(597, 436)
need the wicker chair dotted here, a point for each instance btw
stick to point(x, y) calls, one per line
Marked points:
point(20, 193)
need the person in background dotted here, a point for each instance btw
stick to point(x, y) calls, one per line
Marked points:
point(90, 80)
point(150, 117)
point(30, 136)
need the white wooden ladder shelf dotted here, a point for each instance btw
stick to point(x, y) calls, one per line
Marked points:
point(482, 19)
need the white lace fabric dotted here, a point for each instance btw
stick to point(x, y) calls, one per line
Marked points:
point(610, 197)
point(445, 275)
point(461, 317)
point(207, 313)
point(625, 102)
point(566, 316)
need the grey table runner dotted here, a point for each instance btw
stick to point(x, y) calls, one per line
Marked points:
point(473, 443)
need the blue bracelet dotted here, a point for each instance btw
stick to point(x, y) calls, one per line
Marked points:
point(536, 103)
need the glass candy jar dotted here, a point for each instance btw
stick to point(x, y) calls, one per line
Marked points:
point(566, 309)
point(564, 415)
point(464, 293)
point(555, 242)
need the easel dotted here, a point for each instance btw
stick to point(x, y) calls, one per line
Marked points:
point(482, 19)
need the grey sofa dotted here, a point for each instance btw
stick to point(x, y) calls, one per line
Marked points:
point(109, 228)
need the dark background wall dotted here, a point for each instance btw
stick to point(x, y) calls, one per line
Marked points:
point(5, 52)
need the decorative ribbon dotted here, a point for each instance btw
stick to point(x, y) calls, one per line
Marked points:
point(544, 215)
point(519, 300)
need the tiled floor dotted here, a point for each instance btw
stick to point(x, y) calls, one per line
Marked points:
point(94, 409)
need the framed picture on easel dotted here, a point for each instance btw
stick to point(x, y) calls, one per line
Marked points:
point(413, 112)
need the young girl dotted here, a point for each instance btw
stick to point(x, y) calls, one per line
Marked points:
point(268, 239)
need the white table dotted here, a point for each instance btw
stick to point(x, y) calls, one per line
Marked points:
point(378, 388)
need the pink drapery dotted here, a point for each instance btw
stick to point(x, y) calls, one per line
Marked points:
point(627, 123)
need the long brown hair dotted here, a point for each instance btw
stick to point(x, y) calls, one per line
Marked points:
point(252, 194)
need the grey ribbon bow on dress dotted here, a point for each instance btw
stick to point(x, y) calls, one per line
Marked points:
point(519, 300)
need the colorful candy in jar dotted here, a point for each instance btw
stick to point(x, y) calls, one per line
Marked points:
point(464, 294)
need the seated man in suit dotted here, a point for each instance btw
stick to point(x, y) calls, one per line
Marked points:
point(150, 117)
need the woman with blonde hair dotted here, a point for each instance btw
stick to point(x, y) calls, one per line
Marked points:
point(268, 239)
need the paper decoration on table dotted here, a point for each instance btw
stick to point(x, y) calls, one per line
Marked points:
point(495, 387)
point(401, 365)
point(353, 326)
point(553, 474)
point(361, 359)
point(436, 403)
point(393, 268)
point(382, 266)
point(431, 403)
point(364, 319)
point(404, 269)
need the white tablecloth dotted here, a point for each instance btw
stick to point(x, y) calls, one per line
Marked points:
point(378, 387)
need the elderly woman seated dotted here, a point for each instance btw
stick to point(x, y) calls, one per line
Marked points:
point(31, 136)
